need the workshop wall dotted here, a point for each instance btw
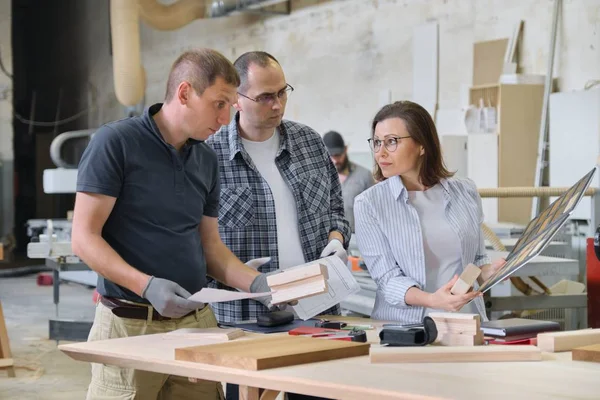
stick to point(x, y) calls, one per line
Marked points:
point(342, 55)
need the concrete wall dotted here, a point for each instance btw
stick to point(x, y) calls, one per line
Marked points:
point(6, 147)
point(342, 55)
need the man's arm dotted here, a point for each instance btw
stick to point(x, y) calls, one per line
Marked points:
point(221, 263)
point(89, 216)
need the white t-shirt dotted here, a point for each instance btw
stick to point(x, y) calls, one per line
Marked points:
point(288, 236)
point(441, 244)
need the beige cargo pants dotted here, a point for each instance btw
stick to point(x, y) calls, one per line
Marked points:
point(115, 383)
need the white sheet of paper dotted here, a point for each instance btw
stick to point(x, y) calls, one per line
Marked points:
point(341, 284)
point(210, 295)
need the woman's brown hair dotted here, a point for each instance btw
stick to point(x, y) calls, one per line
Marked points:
point(422, 129)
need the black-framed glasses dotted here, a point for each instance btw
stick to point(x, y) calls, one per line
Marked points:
point(269, 98)
point(390, 143)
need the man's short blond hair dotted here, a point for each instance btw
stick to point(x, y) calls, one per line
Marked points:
point(201, 68)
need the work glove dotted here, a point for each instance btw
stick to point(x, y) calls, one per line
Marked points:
point(335, 247)
point(259, 285)
point(168, 298)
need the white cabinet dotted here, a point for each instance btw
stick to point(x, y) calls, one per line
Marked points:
point(475, 156)
point(574, 139)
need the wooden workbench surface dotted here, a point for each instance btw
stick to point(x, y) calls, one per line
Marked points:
point(557, 377)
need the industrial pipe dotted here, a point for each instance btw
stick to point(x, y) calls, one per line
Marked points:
point(129, 75)
point(173, 16)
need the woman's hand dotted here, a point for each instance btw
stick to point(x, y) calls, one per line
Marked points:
point(487, 271)
point(444, 300)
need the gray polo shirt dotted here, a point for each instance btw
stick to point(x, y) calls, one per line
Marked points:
point(359, 179)
point(162, 195)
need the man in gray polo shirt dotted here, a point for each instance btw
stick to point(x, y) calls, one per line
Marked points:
point(145, 220)
point(354, 178)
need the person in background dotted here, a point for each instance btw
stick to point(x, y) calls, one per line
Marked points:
point(354, 178)
point(418, 227)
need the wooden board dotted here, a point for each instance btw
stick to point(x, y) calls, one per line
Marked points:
point(447, 354)
point(587, 353)
point(297, 274)
point(206, 333)
point(488, 61)
point(5, 353)
point(568, 340)
point(519, 126)
point(271, 352)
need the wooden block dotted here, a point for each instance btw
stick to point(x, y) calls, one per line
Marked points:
point(457, 323)
point(568, 340)
point(300, 290)
point(271, 352)
point(296, 274)
point(466, 280)
point(206, 333)
point(587, 353)
point(6, 362)
point(457, 339)
point(441, 354)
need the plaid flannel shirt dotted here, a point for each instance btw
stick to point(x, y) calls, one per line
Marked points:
point(247, 222)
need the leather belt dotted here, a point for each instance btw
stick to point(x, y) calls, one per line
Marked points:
point(134, 311)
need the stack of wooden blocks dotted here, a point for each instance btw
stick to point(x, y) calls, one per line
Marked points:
point(455, 329)
point(298, 283)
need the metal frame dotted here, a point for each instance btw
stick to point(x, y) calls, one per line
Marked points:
point(63, 329)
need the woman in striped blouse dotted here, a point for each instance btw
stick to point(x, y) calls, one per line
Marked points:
point(418, 227)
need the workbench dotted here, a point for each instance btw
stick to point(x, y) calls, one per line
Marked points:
point(556, 377)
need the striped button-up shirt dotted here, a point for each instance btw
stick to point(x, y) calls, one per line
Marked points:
point(389, 237)
point(247, 222)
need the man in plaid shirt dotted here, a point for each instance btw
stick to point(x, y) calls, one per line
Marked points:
point(281, 197)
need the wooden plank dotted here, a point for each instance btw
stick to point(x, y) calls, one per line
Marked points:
point(488, 61)
point(271, 352)
point(568, 340)
point(447, 354)
point(466, 280)
point(206, 333)
point(6, 362)
point(299, 290)
point(587, 353)
point(519, 125)
point(5, 353)
point(296, 274)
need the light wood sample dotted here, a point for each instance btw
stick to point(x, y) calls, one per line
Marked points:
point(466, 280)
point(206, 333)
point(271, 352)
point(456, 322)
point(299, 289)
point(443, 354)
point(567, 340)
point(297, 274)
point(587, 353)
point(458, 339)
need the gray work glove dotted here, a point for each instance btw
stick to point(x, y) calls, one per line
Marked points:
point(168, 298)
point(259, 284)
